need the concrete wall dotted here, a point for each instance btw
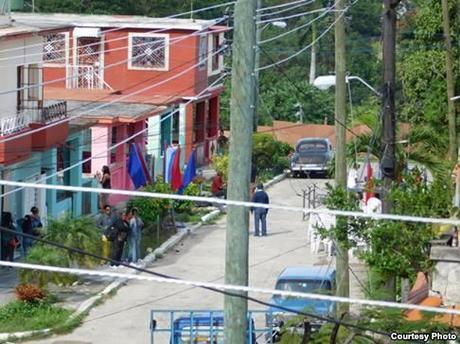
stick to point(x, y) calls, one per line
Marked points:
point(26, 55)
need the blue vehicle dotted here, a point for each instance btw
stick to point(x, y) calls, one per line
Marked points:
point(197, 327)
point(309, 279)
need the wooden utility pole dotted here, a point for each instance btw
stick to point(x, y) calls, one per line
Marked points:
point(257, 63)
point(313, 47)
point(342, 273)
point(241, 125)
point(450, 83)
point(389, 116)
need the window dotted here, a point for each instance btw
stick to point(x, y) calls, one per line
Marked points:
point(55, 48)
point(202, 52)
point(148, 51)
point(216, 61)
point(33, 72)
point(113, 152)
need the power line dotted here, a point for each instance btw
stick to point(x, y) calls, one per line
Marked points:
point(120, 28)
point(306, 2)
point(346, 213)
point(236, 288)
point(291, 16)
point(113, 101)
point(311, 44)
point(287, 9)
point(172, 278)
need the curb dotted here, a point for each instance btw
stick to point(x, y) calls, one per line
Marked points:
point(86, 305)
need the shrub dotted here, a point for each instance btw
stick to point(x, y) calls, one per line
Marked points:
point(29, 293)
point(152, 208)
point(186, 206)
point(220, 164)
point(78, 233)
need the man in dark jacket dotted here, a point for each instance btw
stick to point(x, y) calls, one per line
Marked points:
point(260, 214)
point(118, 234)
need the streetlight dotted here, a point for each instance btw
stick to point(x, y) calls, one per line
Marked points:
point(326, 81)
point(455, 98)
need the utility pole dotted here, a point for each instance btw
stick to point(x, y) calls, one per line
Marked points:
point(342, 275)
point(389, 116)
point(257, 63)
point(450, 83)
point(313, 47)
point(241, 125)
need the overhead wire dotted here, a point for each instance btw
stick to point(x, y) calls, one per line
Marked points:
point(345, 213)
point(169, 278)
point(309, 45)
point(291, 16)
point(286, 9)
point(269, 8)
point(123, 97)
point(199, 10)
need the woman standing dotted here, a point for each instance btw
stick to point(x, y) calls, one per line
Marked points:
point(104, 179)
point(136, 225)
point(9, 240)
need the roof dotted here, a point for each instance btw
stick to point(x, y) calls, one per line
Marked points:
point(318, 272)
point(121, 21)
point(94, 95)
point(110, 112)
point(16, 29)
point(291, 133)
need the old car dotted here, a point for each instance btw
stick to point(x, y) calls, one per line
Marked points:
point(312, 156)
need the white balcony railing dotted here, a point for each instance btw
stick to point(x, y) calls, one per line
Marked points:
point(86, 76)
point(13, 124)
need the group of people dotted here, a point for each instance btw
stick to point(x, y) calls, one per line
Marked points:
point(30, 224)
point(121, 235)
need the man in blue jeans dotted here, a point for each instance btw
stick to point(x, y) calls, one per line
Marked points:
point(260, 214)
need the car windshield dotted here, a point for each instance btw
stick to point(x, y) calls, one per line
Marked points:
point(304, 286)
point(312, 146)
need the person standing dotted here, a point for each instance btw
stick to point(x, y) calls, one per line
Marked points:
point(9, 240)
point(218, 186)
point(104, 222)
point(36, 220)
point(104, 179)
point(260, 214)
point(27, 228)
point(118, 234)
point(136, 225)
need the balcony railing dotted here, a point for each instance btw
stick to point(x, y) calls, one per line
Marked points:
point(43, 115)
point(86, 76)
point(54, 112)
point(13, 124)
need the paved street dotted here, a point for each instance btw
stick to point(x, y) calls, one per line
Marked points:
point(125, 317)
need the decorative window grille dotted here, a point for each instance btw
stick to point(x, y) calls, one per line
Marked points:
point(202, 52)
point(88, 50)
point(149, 51)
point(54, 48)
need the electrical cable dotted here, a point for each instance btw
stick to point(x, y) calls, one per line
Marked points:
point(113, 101)
point(286, 9)
point(345, 213)
point(311, 44)
point(303, 14)
point(120, 28)
point(126, 140)
point(296, 28)
point(174, 40)
point(286, 4)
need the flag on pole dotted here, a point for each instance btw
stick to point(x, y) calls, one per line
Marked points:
point(138, 174)
point(144, 164)
point(176, 176)
point(169, 156)
point(190, 171)
point(369, 184)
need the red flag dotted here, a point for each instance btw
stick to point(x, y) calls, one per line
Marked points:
point(369, 184)
point(176, 180)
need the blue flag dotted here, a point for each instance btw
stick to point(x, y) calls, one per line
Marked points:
point(190, 171)
point(135, 168)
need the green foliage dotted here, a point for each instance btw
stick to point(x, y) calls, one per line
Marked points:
point(78, 233)
point(26, 316)
point(269, 154)
point(186, 206)
point(152, 208)
point(402, 248)
point(220, 164)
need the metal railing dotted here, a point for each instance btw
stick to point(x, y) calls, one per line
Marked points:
point(13, 124)
point(54, 112)
point(85, 77)
point(312, 197)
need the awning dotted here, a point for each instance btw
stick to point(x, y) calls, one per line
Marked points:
point(87, 32)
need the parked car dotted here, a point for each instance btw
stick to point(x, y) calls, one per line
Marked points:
point(307, 279)
point(311, 156)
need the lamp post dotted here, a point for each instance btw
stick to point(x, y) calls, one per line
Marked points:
point(280, 24)
point(326, 81)
point(455, 98)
